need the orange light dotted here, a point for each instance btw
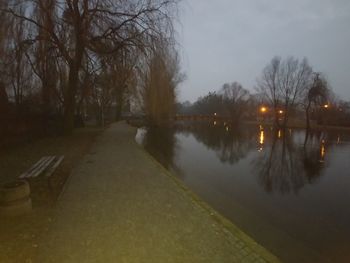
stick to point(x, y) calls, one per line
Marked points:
point(263, 109)
point(262, 137)
point(323, 151)
point(279, 134)
point(280, 111)
point(326, 106)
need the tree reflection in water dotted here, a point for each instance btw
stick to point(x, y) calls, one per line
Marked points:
point(161, 144)
point(231, 143)
point(285, 166)
point(283, 160)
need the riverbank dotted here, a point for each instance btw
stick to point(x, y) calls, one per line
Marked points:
point(302, 125)
point(120, 205)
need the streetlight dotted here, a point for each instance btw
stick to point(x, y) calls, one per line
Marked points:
point(263, 109)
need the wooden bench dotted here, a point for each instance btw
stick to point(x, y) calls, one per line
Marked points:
point(46, 165)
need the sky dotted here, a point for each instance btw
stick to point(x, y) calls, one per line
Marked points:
point(233, 40)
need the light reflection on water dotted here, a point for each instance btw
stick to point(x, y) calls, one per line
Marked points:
point(289, 194)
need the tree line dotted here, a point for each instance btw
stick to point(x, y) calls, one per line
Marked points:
point(61, 58)
point(287, 88)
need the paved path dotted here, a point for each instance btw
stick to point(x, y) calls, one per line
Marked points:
point(119, 205)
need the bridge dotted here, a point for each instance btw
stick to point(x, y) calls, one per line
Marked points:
point(200, 118)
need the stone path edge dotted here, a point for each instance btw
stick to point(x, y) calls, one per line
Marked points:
point(227, 224)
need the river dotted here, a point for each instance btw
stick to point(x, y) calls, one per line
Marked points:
point(292, 196)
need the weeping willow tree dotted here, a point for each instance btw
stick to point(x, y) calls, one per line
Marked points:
point(160, 80)
point(74, 30)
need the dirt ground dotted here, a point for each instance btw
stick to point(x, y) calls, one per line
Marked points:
point(18, 236)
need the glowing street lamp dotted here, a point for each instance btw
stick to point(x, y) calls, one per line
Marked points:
point(326, 106)
point(280, 111)
point(263, 109)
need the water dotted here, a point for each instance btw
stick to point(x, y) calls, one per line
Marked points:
point(291, 196)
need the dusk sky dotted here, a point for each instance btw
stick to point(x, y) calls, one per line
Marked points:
point(233, 40)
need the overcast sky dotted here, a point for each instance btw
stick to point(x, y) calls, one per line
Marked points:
point(232, 40)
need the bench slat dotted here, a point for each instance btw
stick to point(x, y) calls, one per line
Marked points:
point(47, 165)
point(42, 168)
point(54, 166)
point(46, 158)
point(34, 167)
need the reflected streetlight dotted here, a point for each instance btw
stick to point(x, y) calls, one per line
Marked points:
point(262, 137)
point(261, 140)
point(322, 151)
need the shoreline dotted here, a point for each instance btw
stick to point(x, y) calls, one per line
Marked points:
point(226, 223)
point(133, 208)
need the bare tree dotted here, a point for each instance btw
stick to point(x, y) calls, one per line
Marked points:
point(78, 27)
point(160, 78)
point(122, 70)
point(283, 84)
point(16, 71)
point(316, 95)
point(235, 99)
point(45, 66)
point(209, 104)
point(3, 37)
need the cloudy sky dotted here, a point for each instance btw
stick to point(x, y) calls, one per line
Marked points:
point(232, 40)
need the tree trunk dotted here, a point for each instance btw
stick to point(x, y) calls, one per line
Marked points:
point(3, 95)
point(68, 115)
point(118, 112)
point(119, 106)
point(69, 99)
point(276, 117)
point(308, 116)
point(73, 81)
point(285, 119)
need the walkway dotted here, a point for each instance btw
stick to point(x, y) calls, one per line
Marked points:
point(121, 206)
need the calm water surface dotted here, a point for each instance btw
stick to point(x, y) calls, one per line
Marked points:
point(291, 195)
